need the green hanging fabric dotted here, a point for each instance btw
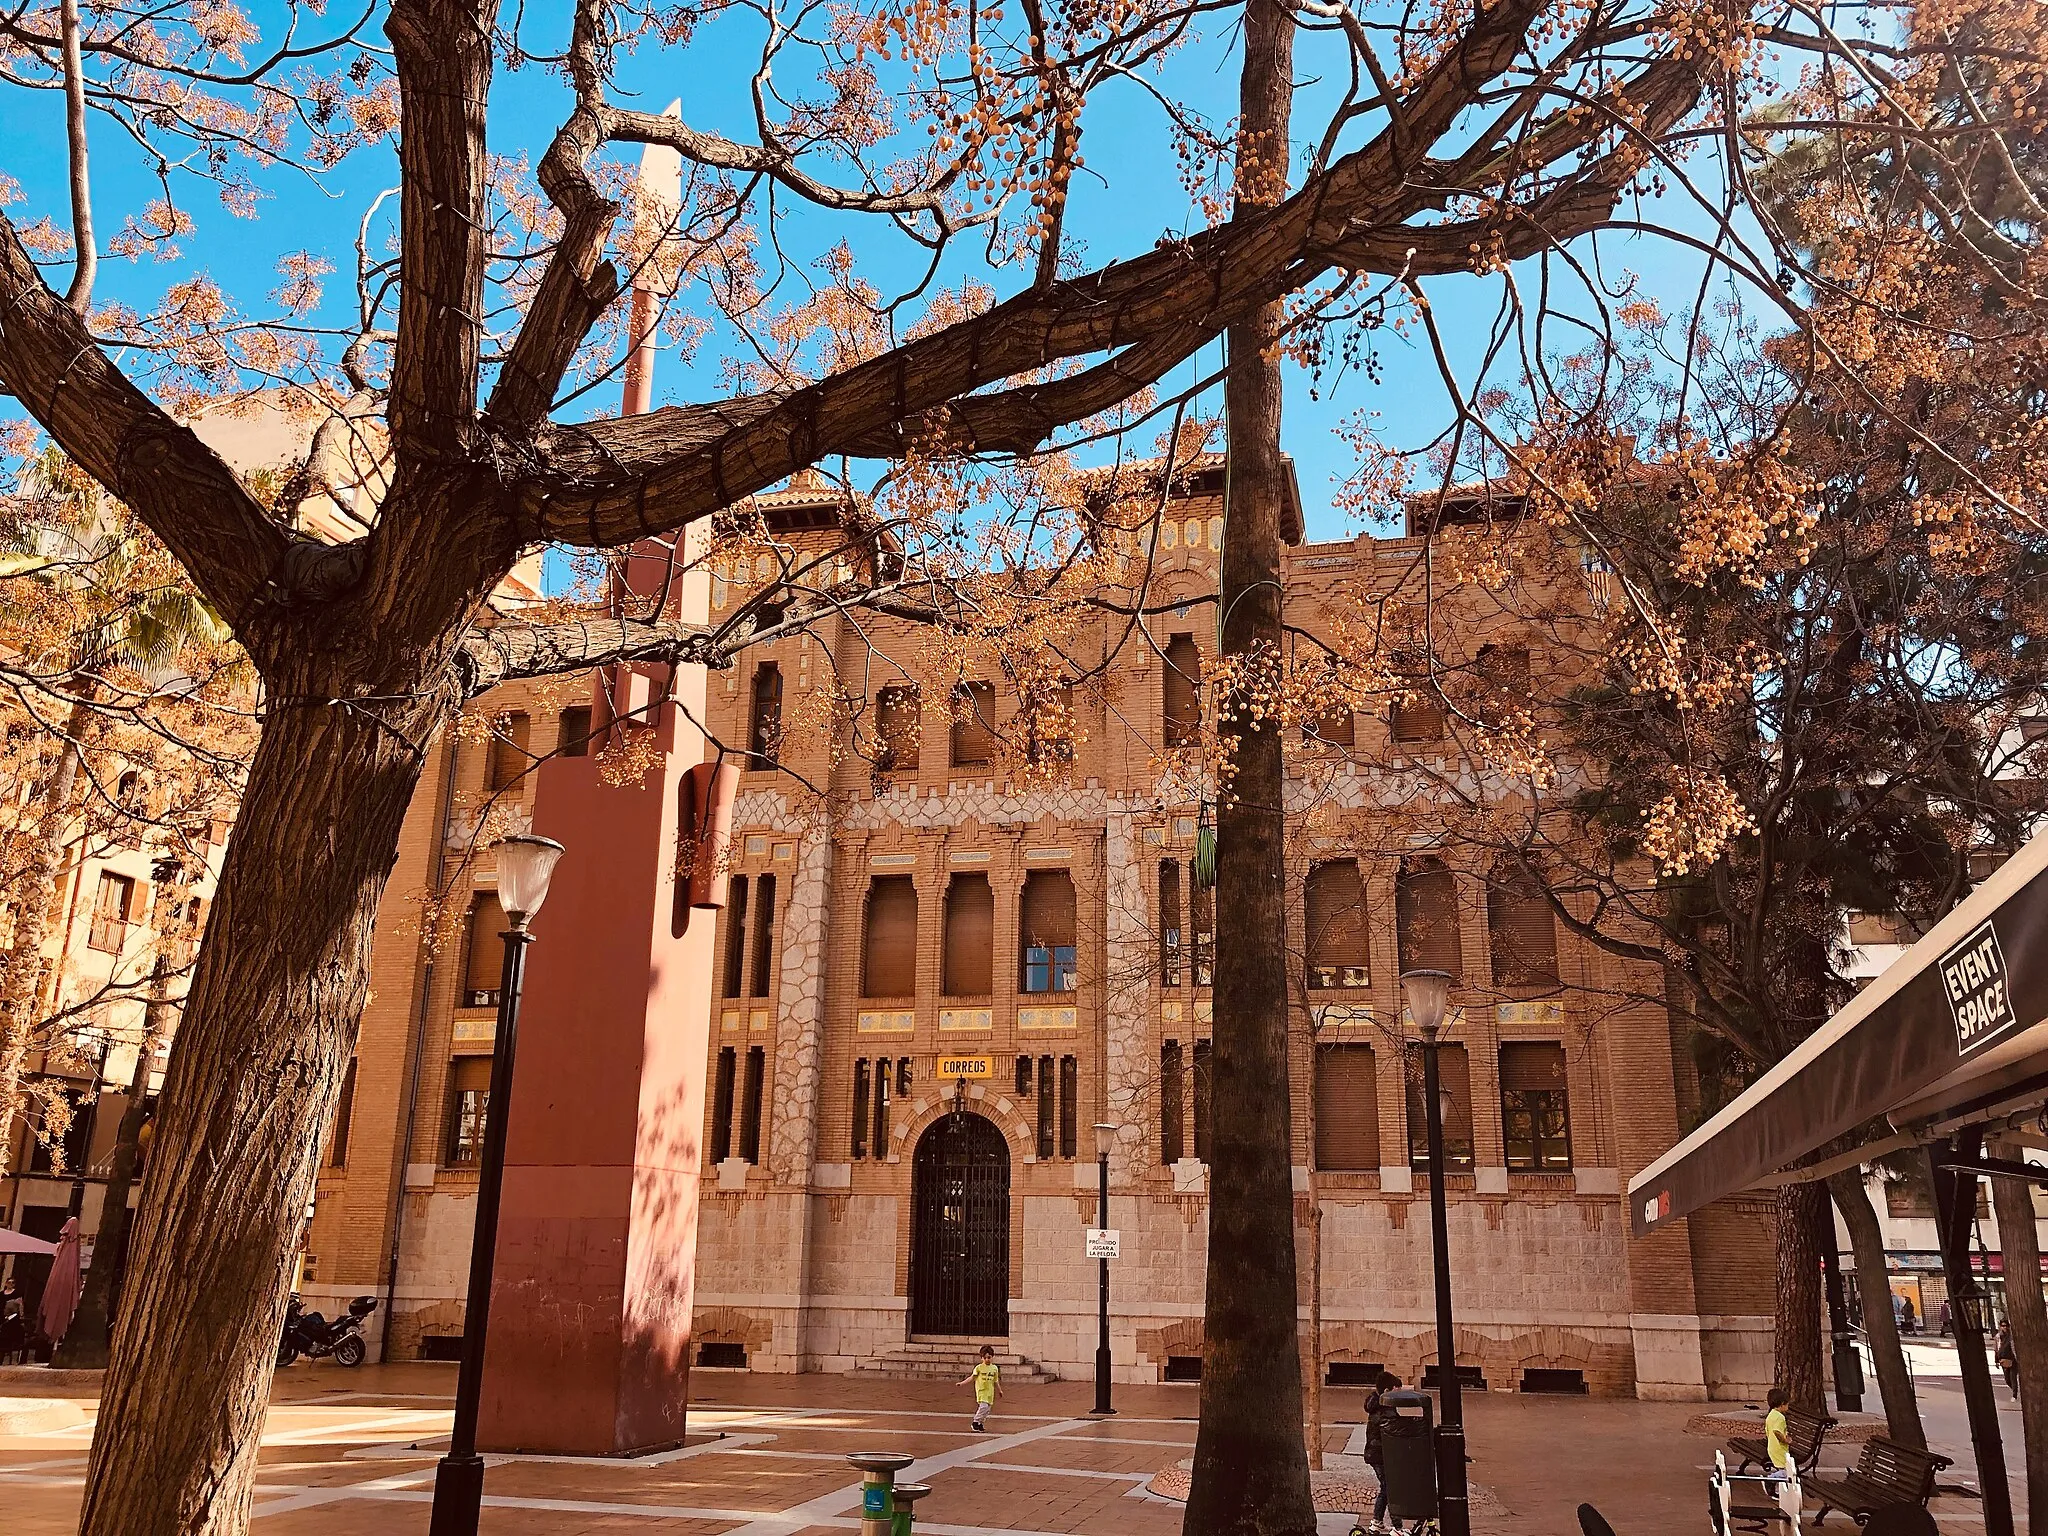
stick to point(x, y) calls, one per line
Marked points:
point(1205, 857)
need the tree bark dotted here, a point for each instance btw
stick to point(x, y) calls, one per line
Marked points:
point(1251, 1467)
point(21, 967)
point(1866, 1241)
point(268, 1029)
point(2019, 1241)
point(85, 1344)
point(1802, 1217)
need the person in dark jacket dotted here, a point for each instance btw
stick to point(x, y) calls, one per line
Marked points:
point(2008, 1359)
point(1377, 1414)
point(13, 1323)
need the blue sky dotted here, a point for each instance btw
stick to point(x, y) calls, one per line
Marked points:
point(1124, 141)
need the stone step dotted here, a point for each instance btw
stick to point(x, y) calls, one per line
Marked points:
point(922, 1360)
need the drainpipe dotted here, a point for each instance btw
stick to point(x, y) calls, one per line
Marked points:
point(451, 756)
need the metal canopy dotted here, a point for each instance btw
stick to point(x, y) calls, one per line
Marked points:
point(1955, 1031)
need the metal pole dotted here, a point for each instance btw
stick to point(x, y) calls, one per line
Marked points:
point(76, 1206)
point(1955, 1204)
point(1847, 1364)
point(459, 1479)
point(1454, 1515)
point(1102, 1306)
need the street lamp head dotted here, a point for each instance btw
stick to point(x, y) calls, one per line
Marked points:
point(1427, 994)
point(525, 865)
point(1105, 1139)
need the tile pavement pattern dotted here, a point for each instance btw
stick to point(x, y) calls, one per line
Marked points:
point(352, 1454)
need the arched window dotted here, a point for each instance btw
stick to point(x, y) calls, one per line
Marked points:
point(1171, 933)
point(764, 728)
point(1426, 919)
point(1182, 692)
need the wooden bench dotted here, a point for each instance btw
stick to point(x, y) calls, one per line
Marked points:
point(1805, 1432)
point(1887, 1475)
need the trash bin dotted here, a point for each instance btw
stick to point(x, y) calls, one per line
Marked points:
point(1408, 1440)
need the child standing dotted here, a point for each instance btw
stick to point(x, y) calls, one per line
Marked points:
point(1777, 1438)
point(988, 1385)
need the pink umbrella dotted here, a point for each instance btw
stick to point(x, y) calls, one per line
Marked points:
point(12, 1241)
point(60, 1291)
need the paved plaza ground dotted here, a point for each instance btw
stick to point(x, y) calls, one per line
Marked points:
point(351, 1453)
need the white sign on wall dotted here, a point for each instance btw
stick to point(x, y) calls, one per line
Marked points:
point(1104, 1242)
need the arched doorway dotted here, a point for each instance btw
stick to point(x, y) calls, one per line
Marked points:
point(960, 1229)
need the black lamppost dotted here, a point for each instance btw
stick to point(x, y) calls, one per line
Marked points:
point(1427, 993)
point(91, 1112)
point(524, 866)
point(1105, 1138)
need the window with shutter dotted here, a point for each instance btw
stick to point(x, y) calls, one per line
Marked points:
point(484, 964)
point(750, 1104)
point(1169, 923)
point(1504, 675)
point(899, 727)
point(511, 737)
point(973, 737)
point(889, 944)
point(1418, 715)
point(1181, 698)
point(112, 908)
point(1172, 1146)
point(344, 1111)
point(1202, 1094)
point(469, 1100)
point(1535, 1113)
point(572, 734)
point(1334, 901)
point(721, 1105)
point(1426, 919)
point(970, 937)
point(764, 723)
point(1347, 1109)
point(1070, 1105)
point(1046, 931)
point(764, 937)
point(735, 935)
point(1454, 1070)
point(1047, 711)
point(1520, 931)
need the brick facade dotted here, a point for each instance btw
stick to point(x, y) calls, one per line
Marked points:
point(805, 1249)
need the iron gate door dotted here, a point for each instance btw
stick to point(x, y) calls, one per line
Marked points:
point(960, 1229)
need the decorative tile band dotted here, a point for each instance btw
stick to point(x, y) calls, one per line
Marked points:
point(892, 861)
point(903, 1023)
point(1048, 1019)
point(966, 1018)
point(1517, 1015)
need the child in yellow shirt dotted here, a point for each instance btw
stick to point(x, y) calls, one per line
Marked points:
point(988, 1385)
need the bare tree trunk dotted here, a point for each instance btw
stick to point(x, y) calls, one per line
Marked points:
point(21, 965)
point(267, 1032)
point(1315, 1308)
point(1802, 1216)
point(1866, 1241)
point(1251, 1468)
point(2021, 1244)
point(84, 1345)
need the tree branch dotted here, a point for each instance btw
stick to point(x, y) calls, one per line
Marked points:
point(443, 53)
point(86, 262)
point(175, 483)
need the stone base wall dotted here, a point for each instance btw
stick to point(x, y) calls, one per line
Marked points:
point(1738, 1354)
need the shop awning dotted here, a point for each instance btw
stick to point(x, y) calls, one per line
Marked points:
point(1955, 1031)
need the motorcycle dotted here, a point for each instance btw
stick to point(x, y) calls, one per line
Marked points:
point(310, 1334)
